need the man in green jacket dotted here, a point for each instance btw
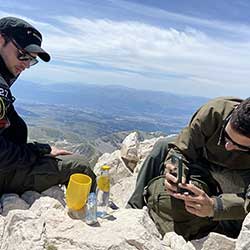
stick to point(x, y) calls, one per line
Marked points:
point(215, 149)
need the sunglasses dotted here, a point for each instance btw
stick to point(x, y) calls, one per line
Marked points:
point(24, 55)
point(224, 137)
point(239, 146)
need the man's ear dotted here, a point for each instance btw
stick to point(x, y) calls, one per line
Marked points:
point(2, 40)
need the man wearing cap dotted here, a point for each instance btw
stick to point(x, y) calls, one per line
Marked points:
point(27, 166)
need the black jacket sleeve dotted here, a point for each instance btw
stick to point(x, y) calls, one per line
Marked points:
point(14, 151)
point(13, 156)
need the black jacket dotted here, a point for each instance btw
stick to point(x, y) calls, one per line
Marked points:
point(15, 152)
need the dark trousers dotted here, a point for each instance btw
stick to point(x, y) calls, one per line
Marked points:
point(46, 172)
point(153, 166)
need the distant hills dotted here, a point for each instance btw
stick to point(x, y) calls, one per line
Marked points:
point(114, 100)
point(91, 119)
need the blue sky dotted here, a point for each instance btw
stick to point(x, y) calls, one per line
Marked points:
point(187, 47)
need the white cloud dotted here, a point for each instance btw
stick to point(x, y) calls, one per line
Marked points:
point(141, 55)
point(238, 29)
point(163, 55)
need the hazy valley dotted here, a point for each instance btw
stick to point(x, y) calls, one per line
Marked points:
point(91, 119)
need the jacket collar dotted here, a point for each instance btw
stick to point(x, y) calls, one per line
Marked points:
point(221, 140)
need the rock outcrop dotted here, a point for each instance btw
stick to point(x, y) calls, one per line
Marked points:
point(41, 221)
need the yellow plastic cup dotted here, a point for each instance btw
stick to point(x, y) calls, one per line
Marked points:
point(77, 191)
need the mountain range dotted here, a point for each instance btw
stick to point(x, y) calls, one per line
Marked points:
point(91, 119)
point(114, 100)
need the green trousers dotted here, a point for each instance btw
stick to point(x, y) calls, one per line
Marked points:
point(153, 166)
point(168, 213)
point(45, 173)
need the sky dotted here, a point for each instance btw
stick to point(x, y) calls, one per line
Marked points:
point(192, 47)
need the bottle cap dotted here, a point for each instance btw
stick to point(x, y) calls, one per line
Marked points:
point(105, 167)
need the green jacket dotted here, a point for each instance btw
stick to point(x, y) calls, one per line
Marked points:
point(201, 140)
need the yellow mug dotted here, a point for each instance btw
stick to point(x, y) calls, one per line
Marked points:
point(77, 191)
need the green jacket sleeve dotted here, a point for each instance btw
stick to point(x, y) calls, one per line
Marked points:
point(229, 207)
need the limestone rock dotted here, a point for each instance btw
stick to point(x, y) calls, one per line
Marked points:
point(12, 201)
point(42, 222)
point(198, 243)
point(46, 226)
point(218, 241)
point(243, 241)
point(177, 242)
point(129, 150)
point(56, 193)
point(30, 196)
point(118, 169)
point(144, 148)
point(122, 190)
point(125, 230)
point(2, 225)
point(23, 230)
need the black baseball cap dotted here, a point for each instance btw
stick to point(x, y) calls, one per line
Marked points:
point(28, 37)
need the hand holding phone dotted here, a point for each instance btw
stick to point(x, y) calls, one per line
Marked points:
point(177, 161)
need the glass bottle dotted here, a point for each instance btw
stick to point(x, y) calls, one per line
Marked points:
point(90, 218)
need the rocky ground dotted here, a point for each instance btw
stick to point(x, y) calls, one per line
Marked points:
point(42, 221)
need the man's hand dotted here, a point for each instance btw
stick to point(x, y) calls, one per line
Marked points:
point(56, 152)
point(199, 203)
point(171, 180)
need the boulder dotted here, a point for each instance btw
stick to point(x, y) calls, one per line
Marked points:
point(42, 221)
point(218, 241)
point(176, 242)
point(122, 190)
point(129, 150)
point(12, 201)
point(144, 148)
point(47, 225)
point(243, 241)
point(118, 170)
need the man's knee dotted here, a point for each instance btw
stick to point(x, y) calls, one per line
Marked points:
point(71, 164)
point(53, 171)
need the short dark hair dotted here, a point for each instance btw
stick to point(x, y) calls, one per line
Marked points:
point(240, 119)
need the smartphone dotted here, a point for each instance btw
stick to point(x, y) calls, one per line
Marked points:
point(177, 161)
